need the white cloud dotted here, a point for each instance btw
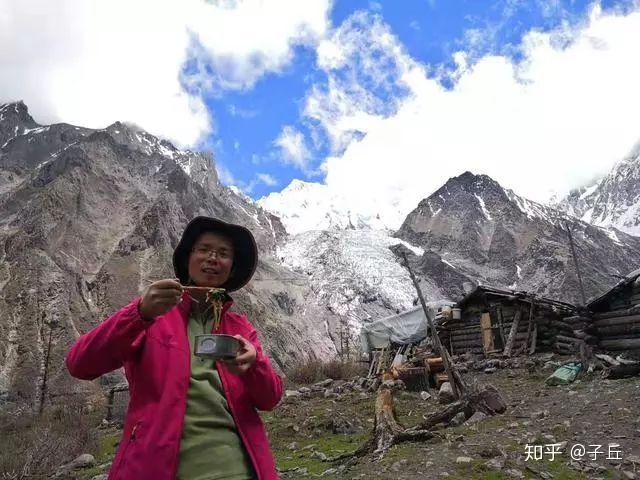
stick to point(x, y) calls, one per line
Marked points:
point(562, 115)
point(292, 145)
point(93, 62)
point(227, 178)
point(241, 112)
point(267, 179)
point(225, 175)
point(365, 65)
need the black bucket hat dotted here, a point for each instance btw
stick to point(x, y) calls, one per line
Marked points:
point(245, 251)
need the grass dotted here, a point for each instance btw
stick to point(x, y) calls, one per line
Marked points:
point(329, 444)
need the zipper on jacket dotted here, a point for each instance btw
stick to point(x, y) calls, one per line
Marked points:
point(132, 437)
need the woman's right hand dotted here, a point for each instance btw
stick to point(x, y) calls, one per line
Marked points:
point(160, 297)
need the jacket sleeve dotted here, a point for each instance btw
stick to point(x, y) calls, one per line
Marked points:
point(262, 382)
point(107, 346)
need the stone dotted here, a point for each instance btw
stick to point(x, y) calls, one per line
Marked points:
point(425, 395)
point(293, 446)
point(319, 455)
point(102, 476)
point(293, 427)
point(292, 394)
point(304, 390)
point(496, 463)
point(330, 394)
point(82, 461)
point(476, 417)
point(458, 419)
point(540, 414)
point(445, 395)
point(324, 383)
point(514, 473)
point(490, 370)
point(341, 426)
point(329, 471)
point(628, 475)
point(464, 460)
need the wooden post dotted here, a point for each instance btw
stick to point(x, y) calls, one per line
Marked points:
point(534, 340)
point(512, 334)
point(456, 382)
point(575, 262)
point(529, 330)
point(487, 333)
point(503, 337)
point(110, 404)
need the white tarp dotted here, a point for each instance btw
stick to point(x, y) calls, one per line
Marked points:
point(404, 328)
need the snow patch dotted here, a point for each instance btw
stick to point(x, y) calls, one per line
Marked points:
point(447, 263)
point(589, 191)
point(167, 152)
point(612, 235)
point(483, 207)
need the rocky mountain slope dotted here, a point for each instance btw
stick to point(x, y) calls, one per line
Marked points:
point(473, 228)
point(613, 201)
point(89, 217)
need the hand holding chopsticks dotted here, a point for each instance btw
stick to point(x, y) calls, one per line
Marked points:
point(160, 297)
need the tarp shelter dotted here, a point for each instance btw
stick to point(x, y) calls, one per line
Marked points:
point(403, 329)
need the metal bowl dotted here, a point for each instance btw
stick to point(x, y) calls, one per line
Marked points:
point(217, 347)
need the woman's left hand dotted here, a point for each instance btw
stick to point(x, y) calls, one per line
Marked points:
point(245, 358)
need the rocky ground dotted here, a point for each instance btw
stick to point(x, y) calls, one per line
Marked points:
point(310, 428)
point(316, 423)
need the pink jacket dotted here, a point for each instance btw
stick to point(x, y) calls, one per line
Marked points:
point(156, 359)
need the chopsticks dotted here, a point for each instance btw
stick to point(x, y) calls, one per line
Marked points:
point(187, 288)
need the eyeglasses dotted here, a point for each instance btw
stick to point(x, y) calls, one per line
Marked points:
point(206, 252)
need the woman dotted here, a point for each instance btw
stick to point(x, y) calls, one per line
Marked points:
point(188, 418)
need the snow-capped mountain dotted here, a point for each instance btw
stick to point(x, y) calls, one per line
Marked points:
point(470, 230)
point(304, 206)
point(491, 235)
point(613, 201)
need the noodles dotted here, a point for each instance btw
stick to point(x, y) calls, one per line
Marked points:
point(216, 298)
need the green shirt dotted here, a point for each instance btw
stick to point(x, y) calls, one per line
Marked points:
point(210, 448)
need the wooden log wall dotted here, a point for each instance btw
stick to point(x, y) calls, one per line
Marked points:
point(619, 330)
point(536, 331)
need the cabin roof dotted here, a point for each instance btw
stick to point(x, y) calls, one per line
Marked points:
point(511, 295)
point(600, 300)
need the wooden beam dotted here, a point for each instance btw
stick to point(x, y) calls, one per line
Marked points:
point(625, 344)
point(534, 340)
point(512, 334)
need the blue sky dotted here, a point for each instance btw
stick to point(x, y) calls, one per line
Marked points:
point(377, 103)
point(248, 121)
